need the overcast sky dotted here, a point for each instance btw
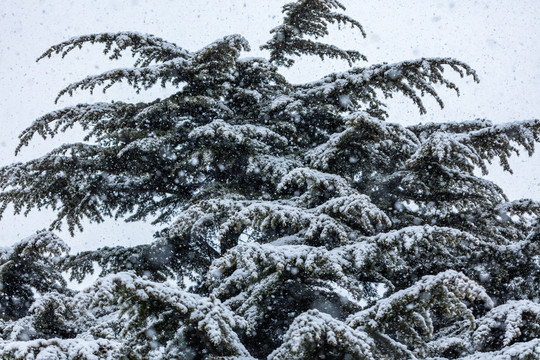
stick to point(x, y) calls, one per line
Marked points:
point(500, 39)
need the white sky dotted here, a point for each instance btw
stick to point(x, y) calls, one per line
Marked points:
point(499, 38)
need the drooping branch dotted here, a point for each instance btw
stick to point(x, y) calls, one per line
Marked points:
point(472, 148)
point(148, 48)
point(357, 87)
point(202, 69)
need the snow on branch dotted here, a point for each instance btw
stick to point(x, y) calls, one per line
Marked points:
point(520, 350)
point(287, 218)
point(365, 140)
point(461, 191)
point(321, 230)
point(29, 269)
point(333, 195)
point(230, 46)
point(473, 147)
point(274, 167)
point(314, 181)
point(121, 315)
point(249, 272)
point(412, 78)
point(498, 140)
point(423, 131)
point(207, 317)
point(147, 48)
point(246, 134)
point(195, 217)
point(392, 258)
point(103, 120)
point(520, 320)
point(159, 261)
point(520, 207)
point(65, 349)
point(309, 47)
point(310, 16)
point(399, 249)
point(358, 212)
point(446, 149)
point(410, 312)
point(43, 243)
point(249, 275)
point(213, 62)
point(314, 333)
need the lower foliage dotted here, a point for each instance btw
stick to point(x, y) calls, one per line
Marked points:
point(281, 301)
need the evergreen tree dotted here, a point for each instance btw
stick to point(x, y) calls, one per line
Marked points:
point(301, 223)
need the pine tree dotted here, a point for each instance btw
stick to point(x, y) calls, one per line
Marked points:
point(300, 222)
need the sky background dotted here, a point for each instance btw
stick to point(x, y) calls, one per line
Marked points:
point(500, 39)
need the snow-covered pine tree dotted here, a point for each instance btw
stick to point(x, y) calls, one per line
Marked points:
point(308, 225)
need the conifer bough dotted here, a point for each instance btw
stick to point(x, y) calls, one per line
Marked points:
point(299, 222)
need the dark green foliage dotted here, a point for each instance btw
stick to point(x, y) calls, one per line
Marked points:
point(303, 222)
